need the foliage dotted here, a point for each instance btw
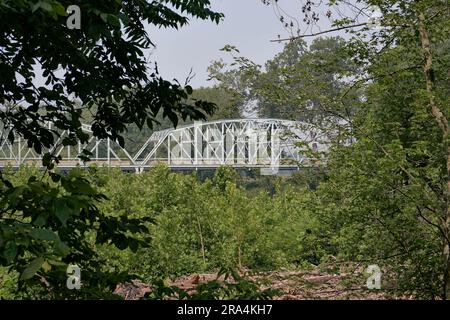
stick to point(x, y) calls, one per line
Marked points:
point(223, 176)
point(397, 173)
point(228, 103)
point(299, 83)
point(386, 195)
point(386, 199)
point(50, 223)
point(387, 188)
point(50, 220)
point(101, 64)
point(199, 227)
point(382, 196)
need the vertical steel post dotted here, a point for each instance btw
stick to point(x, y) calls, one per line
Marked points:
point(108, 149)
point(169, 151)
point(19, 155)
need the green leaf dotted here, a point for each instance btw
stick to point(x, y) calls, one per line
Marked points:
point(35, 6)
point(44, 234)
point(59, 8)
point(62, 211)
point(55, 176)
point(40, 221)
point(41, 4)
point(32, 268)
point(23, 241)
point(113, 20)
point(46, 266)
point(121, 141)
point(133, 244)
point(57, 263)
point(10, 251)
point(46, 159)
point(69, 141)
point(103, 16)
point(46, 6)
point(83, 187)
point(62, 248)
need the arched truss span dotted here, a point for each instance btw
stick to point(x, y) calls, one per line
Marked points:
point(265, 143)
point(236, 142)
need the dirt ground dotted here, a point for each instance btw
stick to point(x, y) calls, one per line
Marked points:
point(292, 285)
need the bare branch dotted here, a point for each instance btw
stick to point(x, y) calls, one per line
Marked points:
point(319, 33)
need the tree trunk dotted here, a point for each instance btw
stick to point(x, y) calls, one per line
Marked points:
point(202, 242)
point(444, 126)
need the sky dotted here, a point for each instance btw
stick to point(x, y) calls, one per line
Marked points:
point(248, 24)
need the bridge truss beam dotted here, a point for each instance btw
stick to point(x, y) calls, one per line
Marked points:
point(265, 143)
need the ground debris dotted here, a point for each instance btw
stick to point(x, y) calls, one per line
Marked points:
point(292, 285)
point(132, 291)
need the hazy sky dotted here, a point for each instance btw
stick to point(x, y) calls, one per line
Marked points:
point(248, 24)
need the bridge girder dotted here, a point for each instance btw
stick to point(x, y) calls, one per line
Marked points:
point(266, 143)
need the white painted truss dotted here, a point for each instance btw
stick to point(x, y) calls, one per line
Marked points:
point(265, 143)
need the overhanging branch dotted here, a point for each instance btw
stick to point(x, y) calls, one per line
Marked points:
point(322, 32)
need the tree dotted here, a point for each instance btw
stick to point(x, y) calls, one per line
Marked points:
point(228, 103)
point(51, 219)
point(404, 132)
point(223, 176)
point(300, 83)
point(304, 84)
point(101, 64)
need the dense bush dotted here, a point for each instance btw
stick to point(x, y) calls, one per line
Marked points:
point(196, 226)
point(204, 226)
point(51, 220)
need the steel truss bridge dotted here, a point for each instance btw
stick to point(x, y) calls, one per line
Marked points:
point(269, 144)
